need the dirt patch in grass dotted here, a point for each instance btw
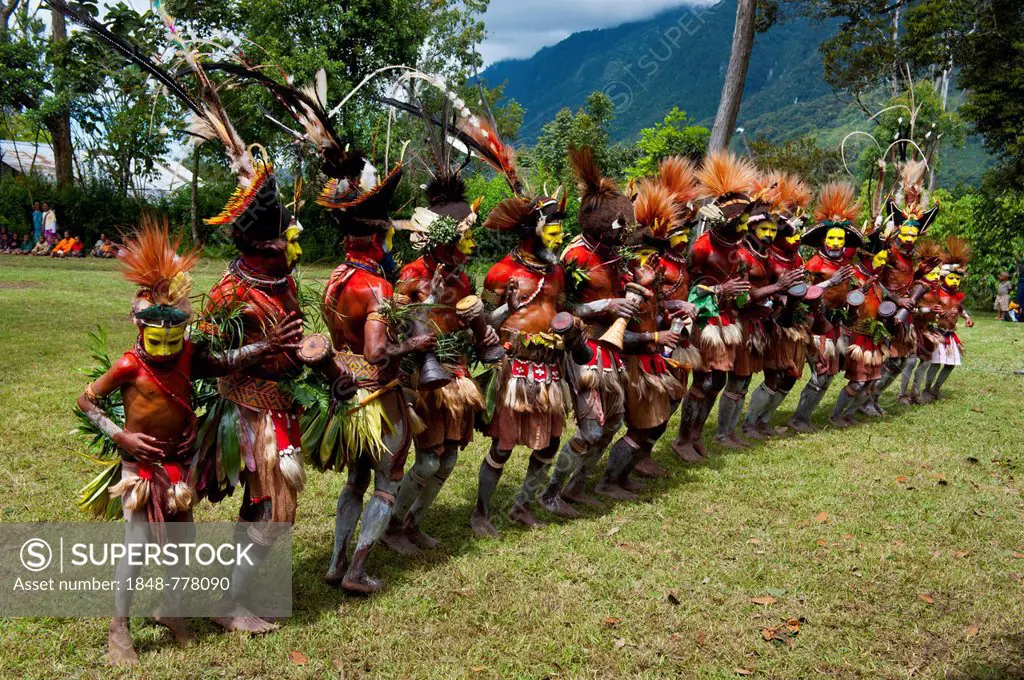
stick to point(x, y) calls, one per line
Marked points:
point(17, 285)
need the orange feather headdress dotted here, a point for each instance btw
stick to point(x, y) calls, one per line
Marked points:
point(837, 204)
point(679, 175)
point(958, 255)
point(150, 259)
point(656, 211)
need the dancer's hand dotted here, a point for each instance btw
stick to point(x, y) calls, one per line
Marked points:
point(421, 343)
point(791, 278)
point(668, 339)
point(142, 446)
point(970, 322)
point(286, 335)
point(842, 274)
point(491, 337)
point(623, 308)
point(512, 296)
point(733, 287)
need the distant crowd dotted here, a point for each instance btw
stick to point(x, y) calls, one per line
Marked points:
point(46, 241)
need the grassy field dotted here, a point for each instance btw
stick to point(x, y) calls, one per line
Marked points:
point(897, 545)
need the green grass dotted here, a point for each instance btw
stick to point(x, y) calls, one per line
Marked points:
point(925, 502)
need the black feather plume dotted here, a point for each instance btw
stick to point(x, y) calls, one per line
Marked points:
point(127, 50)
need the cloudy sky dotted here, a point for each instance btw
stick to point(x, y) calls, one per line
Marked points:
point(518, 28)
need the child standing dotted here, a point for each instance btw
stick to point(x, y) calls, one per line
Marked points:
point(1002, 305)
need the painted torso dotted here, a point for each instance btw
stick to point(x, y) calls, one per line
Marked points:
point(414, 281)
point(952, 305)
point(262, 307)
point(603, 279)
point(543, 289)
point(675, 280)
point(872, 295)
point(353, 293)
point(157, 396)
point(820, 268)
point(898, 274)
point(712, 260)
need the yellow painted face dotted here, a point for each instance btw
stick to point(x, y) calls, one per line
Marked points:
point(766, 231)
point(551, 235)
point(644, 255)
point(794, 239)
point(389, 240)
point(678, 240)
point(880, 259)
point(163, 342)
point(466, 244)
point(292, 249)
point(908, 235)
point(953, 280)
point(835, 238)
point(742, 225)
point(933, 275)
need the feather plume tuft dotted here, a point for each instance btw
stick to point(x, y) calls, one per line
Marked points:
point(150, 259)
point(836, 203)
point(655, 209)
point(724, 173)
point(594, 186)
point(679, 175)
point(509, 214)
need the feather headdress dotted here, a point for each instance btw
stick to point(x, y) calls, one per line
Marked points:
point(679, 175)
point(837, 204)
point(912, 179)
point(958, 255)
point(510, 214)
point(724, 175)
point(150, 259)
point(656, 211)
point(603, 208)
point(791, 194)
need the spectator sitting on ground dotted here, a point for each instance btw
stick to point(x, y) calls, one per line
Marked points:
point(5, 240)
point(104, 247)
point(63, 247)
point(77, 248)
point(26, 245)
point(42, 247)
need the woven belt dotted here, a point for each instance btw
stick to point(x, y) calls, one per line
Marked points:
point(362, 370)
point(256, 393)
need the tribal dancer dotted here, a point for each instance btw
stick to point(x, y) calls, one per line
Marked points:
point(530, 393)
point(790, 336)
point(836, 241)
point(679, 176)
point(652, 390)
point(950, 307)
point(605, 214)
point(754, 313)
point(256, 422)
point(444, 233)
point(372, 438)
point(925, 314)
point(717, 285)
point(155, 379)
point(869, 336)
point(910, 222)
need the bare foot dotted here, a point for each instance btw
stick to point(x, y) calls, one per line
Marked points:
point(612, 490)
point(244, 621)
point(754, 432)
point(521, 515)
point(420, 539)
point(361, 583)
point(728, 442)
point(648, 467)
point(178, 627)
point(333, 576)
point(400, 543)
point(120, 647)
point(840, 422)
point(687, 452)
point(481, 525)
point(556, 506)
point(576, 492)
point(802, 426)
point(905, 399)
point(631, 485)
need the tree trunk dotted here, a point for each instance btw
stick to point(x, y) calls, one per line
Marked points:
point(195, 196)
point(736, 77)
point(59, 124)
